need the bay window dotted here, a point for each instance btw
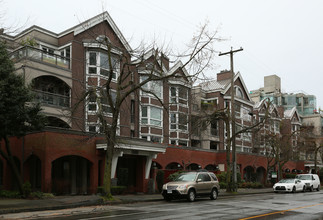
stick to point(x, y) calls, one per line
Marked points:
point(155, 87)
point(151, 115)
point(98, 63)
point(178, 94)
point(178, 121)
point(93, 105)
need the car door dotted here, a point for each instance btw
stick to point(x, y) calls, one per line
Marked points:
point(299, 185)
point(203, 183)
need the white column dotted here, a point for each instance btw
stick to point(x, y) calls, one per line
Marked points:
point(148, 164)
point(115, 157)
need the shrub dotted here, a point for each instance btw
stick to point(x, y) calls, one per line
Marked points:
point(160, 180)
point(9, 194)
point(173, 176)
point(118, 190)
point(290, 175)
point(252, 185)
point(26, 188)
point(223, 185)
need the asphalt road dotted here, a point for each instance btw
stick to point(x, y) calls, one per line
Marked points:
point(308, 205)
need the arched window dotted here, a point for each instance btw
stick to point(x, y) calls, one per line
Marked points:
point(239, 92)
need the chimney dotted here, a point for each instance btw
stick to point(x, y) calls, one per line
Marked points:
point(223, 75)
point(165, 61)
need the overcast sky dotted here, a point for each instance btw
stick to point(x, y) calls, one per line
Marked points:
point(282, 37)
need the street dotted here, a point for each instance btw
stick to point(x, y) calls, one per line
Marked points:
point(308, 205)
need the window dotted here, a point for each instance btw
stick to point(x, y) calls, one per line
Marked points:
point(132, 116)
point(104, 101)
point(214, 128)
point(48, 50)
point(239, 92)
point(155, 87)
point(92, 102)
point(66, 52)
point(213, 145)
point(99, 63)
point(178, 121)
point(182, 143)
point(151, 115)
point(237, 109)
point(178, 95)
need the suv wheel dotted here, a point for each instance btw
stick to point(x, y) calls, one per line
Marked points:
point(191, 195)
point(214, 194)
point(311, 189)
point(304, 189)
point(318, 187)
point(167, 198)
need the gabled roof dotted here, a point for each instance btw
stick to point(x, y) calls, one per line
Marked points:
point(223, 85)
point(80, 28)
point(236, 77)
point(290, 113)
point(179, 65)
point(259, 105)
point(214, 85)
point(147, 55)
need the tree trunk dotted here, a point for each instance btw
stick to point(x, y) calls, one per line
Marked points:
point(10, 159)
point(107, 169)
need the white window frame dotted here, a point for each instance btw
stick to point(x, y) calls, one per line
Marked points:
point(149, 119)
point(177, 99)
point(98, 66)
point(151, 86)
point(178, 125)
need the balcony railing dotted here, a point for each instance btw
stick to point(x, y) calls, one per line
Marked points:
point(52, 99)
point(36, 54)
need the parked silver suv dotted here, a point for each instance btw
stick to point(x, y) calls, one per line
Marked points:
point(192, 184)
point(312, 181)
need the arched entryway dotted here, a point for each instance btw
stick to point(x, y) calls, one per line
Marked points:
point(211, 167)
point(249, 174)
point(193, 166)
point(32, 169)
point(173, 166)
point(71, 175)
point(261, 171)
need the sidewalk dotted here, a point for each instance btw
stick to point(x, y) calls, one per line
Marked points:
point(66, 202)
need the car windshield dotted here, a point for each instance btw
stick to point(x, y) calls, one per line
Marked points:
point(186, 177)
point(287, 181)
point(304, 177)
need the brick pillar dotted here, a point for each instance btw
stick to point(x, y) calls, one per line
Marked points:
point(94, 174)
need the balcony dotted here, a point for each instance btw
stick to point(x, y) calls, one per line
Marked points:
point(52, 99)
point(42, 56)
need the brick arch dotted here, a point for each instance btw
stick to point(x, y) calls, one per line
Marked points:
point(71, 174)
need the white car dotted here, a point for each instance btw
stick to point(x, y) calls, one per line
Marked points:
point(289, 185)
point(311, 181)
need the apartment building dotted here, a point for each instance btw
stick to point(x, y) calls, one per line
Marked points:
point(305, 104)
point(67, 157)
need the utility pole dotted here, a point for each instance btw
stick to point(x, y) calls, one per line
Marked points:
point(233, 119)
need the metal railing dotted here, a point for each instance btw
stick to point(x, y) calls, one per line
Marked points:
point(40, 55)
point(51, 99)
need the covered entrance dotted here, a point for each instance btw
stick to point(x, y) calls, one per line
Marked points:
point(132, 161)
